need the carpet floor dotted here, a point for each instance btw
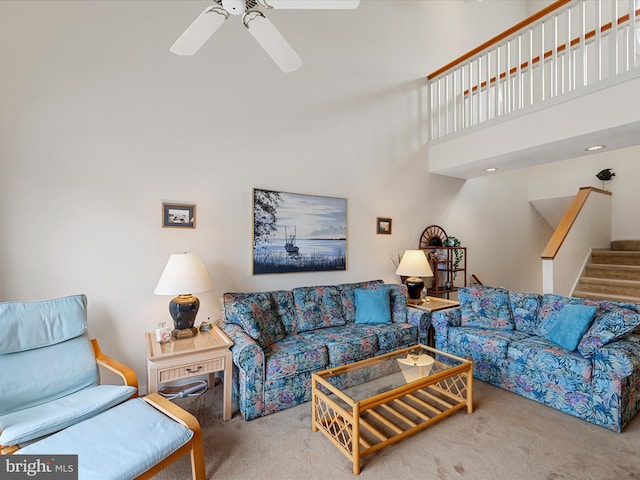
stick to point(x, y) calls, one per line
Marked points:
point(506, 437)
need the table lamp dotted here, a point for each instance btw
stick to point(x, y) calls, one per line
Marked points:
point(184, 275)
point(414, 265)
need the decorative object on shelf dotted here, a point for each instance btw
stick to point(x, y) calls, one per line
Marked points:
point(383, 226)
point(414, 265)
point(184, 275)
point(447, 257)
point(432, 236)
point(205, 326)
point(178, 215)
point(451, 241)
point(163, 333)
point(298, 233)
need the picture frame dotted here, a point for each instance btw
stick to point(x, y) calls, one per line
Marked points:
point(178, 215)
point(295, 232)
point(383, 226)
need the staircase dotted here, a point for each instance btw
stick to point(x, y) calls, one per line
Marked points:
point(612, 274)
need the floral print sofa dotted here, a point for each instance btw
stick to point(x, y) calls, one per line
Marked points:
point(518, 341)
point(281, 337)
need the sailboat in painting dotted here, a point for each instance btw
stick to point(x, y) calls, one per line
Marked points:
point(290, 242)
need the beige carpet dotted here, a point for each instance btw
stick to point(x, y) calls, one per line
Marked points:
point(507, 437)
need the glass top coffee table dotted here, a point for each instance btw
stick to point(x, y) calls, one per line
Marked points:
point(389, 398)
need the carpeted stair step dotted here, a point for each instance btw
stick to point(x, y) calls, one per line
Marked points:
point(608, 257)
point(620, 272)
point(626, 245)
point(626, 288)
point(602, 296)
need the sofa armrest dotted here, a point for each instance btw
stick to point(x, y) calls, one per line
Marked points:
point(248, 371)
point(618, 359)
point(616, 375)
point(421, 319)
point(442, 320)
point(246, 352)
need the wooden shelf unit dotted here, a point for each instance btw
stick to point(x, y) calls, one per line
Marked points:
point(442, 261)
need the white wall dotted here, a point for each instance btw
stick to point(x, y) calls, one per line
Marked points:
point(566, 177)
point(99, 124)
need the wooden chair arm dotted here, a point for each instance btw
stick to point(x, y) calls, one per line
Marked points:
point(127, 374)
point(8, 449)
point(195, 445)
point(173, 411)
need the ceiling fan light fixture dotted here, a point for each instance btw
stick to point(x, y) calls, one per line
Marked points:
point(268, 36)
point(234, 7)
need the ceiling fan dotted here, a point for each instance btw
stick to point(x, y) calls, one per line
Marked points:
point(256, 22)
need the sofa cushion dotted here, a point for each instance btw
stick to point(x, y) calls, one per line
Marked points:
point(485, 344)
point(608, 327)
point(293, 355)
point(36, 422)
point(344, 344)
point(525, 307)
point(63, 368)
point(29, 325)
point(550, 307)
point(348, 297)
point(256, 314)
point(398, 294)
point(122, 442)
point(572, 322)
point(373, 307)
point(317, 307)
point(540, 354)
point(485, 307)
point(393, 336)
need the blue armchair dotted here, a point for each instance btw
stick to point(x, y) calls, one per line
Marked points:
point(49, 370)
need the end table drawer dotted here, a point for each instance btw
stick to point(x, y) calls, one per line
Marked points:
point(175, 373)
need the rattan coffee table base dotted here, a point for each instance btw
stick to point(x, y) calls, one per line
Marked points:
point(360, 428)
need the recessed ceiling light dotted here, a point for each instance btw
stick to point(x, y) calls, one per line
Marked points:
point(593, 148)
point(491, 169)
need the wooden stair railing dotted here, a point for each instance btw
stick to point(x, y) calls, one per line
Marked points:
point(570, 216)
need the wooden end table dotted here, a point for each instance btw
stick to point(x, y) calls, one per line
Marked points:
point(433, 304)
point(206, 353)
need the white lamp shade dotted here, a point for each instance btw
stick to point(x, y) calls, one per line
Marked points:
point(184, 273)
point(414, 264)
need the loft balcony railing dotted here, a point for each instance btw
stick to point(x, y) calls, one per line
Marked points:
point(568, 48)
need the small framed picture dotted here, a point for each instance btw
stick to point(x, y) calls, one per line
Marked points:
point(163, 334)
point(178, 215)
point(383, 226)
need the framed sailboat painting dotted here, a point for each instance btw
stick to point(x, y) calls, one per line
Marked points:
point(298, 233)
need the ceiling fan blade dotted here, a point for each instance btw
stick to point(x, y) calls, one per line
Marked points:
point(199, 31)
point(310, 4)
point(272, 41)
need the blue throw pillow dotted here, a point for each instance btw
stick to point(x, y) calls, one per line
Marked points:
point(373, 307)
point(572, 322)
point(608, 327)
